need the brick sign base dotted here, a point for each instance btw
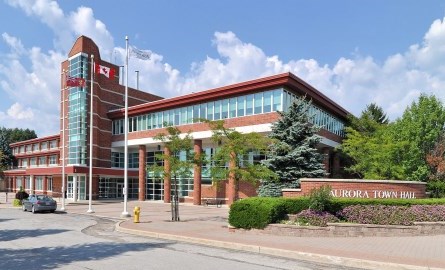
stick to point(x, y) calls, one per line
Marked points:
point(358, 188)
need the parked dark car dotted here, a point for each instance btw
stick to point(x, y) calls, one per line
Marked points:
point(39, 203)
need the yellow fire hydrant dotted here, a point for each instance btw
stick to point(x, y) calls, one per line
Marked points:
point(137, 212)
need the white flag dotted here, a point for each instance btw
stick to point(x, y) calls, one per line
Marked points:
point(140, 54)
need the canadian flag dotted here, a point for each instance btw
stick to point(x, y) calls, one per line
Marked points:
point(108, 72)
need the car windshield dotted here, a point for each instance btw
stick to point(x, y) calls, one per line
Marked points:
point(43, 197)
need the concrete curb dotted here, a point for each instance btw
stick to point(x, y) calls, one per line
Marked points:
point(296, 255)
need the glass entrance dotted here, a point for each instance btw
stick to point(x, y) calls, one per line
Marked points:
point(80, 187)
point(119, 190)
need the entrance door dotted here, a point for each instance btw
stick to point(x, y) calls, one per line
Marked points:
point(120, 190)
point(69, 190)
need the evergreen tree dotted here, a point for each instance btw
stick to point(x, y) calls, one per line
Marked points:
point(294, 154)
point(6, 158)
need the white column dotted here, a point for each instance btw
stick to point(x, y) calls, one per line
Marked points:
point(31, 184)
point(75, 188)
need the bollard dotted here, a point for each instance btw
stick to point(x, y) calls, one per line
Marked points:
point(136, 212)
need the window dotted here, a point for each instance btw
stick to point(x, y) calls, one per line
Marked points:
point(39, 183)
point(24, 162)
point(258, 103)
point(225, 109)
point(35, 147)
point(32, 162)
point(232, 108)
point(53, 160)
point(22, 149)
point(53, 144)
point(277, 100)
point(195, 113)
point(28, 182)
point(42, 161)
point(44, 146)
point(210, 111)
point(29, 148)
point(18, 182)
point(249, 105)
point(267, 107)
point(240, 104)
point(217, 110)
point(49, 183)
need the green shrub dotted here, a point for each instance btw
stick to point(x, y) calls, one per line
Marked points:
point(436, 189)
point(256, 212)
point(295, 205)
point(16, 202)
point(274, 189)
point(320, 198)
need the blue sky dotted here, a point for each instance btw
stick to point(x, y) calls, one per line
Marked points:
point(355, 52)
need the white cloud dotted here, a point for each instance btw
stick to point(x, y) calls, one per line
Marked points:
point(17, 112)
point(353, 82)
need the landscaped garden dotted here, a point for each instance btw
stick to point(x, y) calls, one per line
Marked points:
point(319, 210)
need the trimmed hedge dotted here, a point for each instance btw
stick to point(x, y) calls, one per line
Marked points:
point(258, 212)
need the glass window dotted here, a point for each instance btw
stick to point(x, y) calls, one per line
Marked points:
point(190, 114)
point(28, 182)
point(35, 147)
point(177, 117)
point(249, 105)
point(184, 115)
point(225, 109)
point(232, 107)
point(202, 111)
point(166, 119)
point(209, 111)
point(149, 118)
point(18, 182)
point(53, 160)
point(267, 107)
point(240, 105)
point(32, 161)
point(39, 183)
point(196, 114)
point(217, 110)
point(258, 103)
point(42, 161)
point(49, 183)
point(277, 100)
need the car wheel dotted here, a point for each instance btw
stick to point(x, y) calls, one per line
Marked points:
point(23, 208)
point(33, 210)
point(52, 211)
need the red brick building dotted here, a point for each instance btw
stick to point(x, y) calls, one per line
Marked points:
point(248, 106)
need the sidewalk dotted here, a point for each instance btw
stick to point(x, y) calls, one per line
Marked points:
point(208, 226)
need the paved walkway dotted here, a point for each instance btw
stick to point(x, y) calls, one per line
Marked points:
point(207, 225)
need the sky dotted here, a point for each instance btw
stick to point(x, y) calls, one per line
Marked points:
point(355, 52)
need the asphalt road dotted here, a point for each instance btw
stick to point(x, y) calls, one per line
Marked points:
point(69, 241)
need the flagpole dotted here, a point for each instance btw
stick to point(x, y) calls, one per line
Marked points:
point(125, 191)
point(63, 142)
point(90, 194)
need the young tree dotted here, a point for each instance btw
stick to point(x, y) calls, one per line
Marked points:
point(293, 155)
point(233, 148)
point(420, 126)
point(180, 160)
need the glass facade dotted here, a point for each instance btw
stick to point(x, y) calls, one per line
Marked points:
point(113, 188)
point(77, 112)
point(117, 160)
point(253, 104)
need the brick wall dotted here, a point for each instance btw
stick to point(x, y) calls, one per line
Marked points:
point(358, 188)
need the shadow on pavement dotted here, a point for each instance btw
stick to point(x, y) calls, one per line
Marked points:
point(10, 235)
point(55, 257)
